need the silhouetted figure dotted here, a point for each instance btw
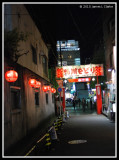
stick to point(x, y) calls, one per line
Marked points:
point(74, 103)
point(91, 103)
point(79, 102)
point(83, 104)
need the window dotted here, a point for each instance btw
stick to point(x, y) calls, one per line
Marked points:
point(52, 98)
point(69, 56)
point(15, 98)
point(34, 54)
point(46, 98)
point(36, 98)
point(44, 62)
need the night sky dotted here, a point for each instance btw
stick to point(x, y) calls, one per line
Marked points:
point(69, 21)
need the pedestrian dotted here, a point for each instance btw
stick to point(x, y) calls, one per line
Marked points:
point(79, 102)
point(87, 103)
point(74, 103)
point(91, 103)
point(83, 104)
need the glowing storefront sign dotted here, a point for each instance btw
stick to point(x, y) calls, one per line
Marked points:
point(79, 71)
point(79, 80)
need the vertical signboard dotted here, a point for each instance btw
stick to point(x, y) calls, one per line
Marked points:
point(61, 89)
point(99, 98)
point(60, 83)
point(63, 102)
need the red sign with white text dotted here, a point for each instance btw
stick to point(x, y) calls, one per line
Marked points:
point(79, 71)
point(79, 80)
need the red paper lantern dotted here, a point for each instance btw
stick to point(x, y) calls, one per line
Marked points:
point(53, 90)
point(32, 82)
point(37, 85)
point(49, 88)
point(11, 76)
point(45, 88)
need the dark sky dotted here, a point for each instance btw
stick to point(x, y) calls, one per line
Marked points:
point(69, 21)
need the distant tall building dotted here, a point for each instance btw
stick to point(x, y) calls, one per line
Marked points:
point(68, 53)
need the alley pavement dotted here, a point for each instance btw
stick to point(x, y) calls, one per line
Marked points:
point(83, 134)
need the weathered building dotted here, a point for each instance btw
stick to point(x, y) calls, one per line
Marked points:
point(109, 32)
point(25, 107)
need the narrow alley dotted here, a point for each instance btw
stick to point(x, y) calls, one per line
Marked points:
point(85, 134)
point(82, 134)
point(59, 85)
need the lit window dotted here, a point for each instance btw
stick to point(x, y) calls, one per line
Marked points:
point(60, 56)
point(68, 44)
point(69, 56)
point(57, 45)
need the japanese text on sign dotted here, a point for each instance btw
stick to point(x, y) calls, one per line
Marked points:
point(79, 71)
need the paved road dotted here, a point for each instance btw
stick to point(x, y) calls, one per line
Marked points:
point(97, 131)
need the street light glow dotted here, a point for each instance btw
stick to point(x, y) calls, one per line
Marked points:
point(93, 79)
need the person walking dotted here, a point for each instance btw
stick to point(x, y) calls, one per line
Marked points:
point(91, 103)
point(79, 102)
point(74, 102)
point(83, 104)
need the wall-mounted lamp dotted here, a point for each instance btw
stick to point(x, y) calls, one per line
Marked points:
point(110, 69)
point(37, 85)
point(53, 90)
point(49, 88)
point(34, 83)
point(93, 79)
point(45, 88)
point(11, 76)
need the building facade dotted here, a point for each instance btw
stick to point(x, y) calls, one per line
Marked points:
point(25, 107)
point(68, 53)
point(109, 32)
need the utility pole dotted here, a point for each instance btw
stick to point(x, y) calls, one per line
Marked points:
point(97, 80)
point(60, 54)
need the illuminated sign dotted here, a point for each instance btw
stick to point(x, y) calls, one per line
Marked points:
point(79, 71)
point(60, 83)
point(79, 80)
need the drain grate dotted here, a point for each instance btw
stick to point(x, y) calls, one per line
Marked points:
point(77, 141)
